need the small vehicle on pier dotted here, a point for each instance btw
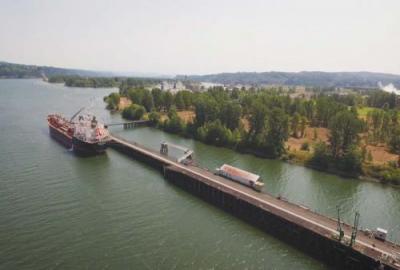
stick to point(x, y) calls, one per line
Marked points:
point(380, 234)
point(241, 176)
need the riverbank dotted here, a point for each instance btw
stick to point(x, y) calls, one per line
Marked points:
point(323, 133)
point(370, 172)
point(383, 173)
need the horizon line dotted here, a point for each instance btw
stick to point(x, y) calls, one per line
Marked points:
point(161, 74)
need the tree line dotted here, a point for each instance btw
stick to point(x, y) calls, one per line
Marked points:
point(261, 121)
point(123, 83)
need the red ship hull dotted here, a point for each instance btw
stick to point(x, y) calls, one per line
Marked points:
point(88, 149)
point(61, 136)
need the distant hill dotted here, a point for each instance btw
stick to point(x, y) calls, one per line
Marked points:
point(306, 78)
point(10, 70)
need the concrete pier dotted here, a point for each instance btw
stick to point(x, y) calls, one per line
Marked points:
point(310, 232)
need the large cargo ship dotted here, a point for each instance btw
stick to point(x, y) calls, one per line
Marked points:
point(244, 177)
point(86, 136)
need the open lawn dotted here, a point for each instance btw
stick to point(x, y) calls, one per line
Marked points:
point(362, 112)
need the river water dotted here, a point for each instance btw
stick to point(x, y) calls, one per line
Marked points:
point(112, 212)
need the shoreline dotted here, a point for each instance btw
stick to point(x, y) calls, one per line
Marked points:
point(361, 177)
point(385, 173)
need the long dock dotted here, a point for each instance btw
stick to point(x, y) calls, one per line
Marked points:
point(131, 124)
point(311, 232)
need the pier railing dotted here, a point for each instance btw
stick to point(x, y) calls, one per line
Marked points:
point(131, 124)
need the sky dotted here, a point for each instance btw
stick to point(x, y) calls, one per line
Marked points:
point(203, 37)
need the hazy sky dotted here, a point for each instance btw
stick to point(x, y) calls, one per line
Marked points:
point(203, 36)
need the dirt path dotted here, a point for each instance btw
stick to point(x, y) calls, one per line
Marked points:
point(123, 103)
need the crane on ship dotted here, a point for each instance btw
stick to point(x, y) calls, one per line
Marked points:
point(91, 104)
point(76, 114)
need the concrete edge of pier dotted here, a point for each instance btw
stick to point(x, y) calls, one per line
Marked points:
point(308, 231)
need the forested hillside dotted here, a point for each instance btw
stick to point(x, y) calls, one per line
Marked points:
point(312, 78)
point(10, 70)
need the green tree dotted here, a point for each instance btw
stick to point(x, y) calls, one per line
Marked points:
point(168, 99)
point(230, 115)
point(148, 102)
point(309, 108)
point(136, 95)
point(218, 134)
point(295, 124)
point(172, 112)
point(326, 108)
point(351, 160)
point(364, 152)
point(134, 112)
point(305, 146)
point(394, 142)
point(236, 137)
point(175, 125)
point(344, 128)
point(321, 156)
point(187, 98)
point(369, 156)
point(303, 125)
point(206, 109)
point(154, 117)
point(375, 121)
point(235, 93)
point(113, 101)
point(278, 132)
point(179, 101)
point(257, 119)
point(157, 98)
point(201, 133)
point(353, 110)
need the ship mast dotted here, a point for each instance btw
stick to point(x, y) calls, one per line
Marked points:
point(72, 118)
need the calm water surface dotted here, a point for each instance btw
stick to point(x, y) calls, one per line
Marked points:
point(111, 212)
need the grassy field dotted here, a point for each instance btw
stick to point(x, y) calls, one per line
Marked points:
point(362, 112)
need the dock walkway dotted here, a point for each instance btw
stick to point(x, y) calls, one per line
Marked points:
point(386, 252)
